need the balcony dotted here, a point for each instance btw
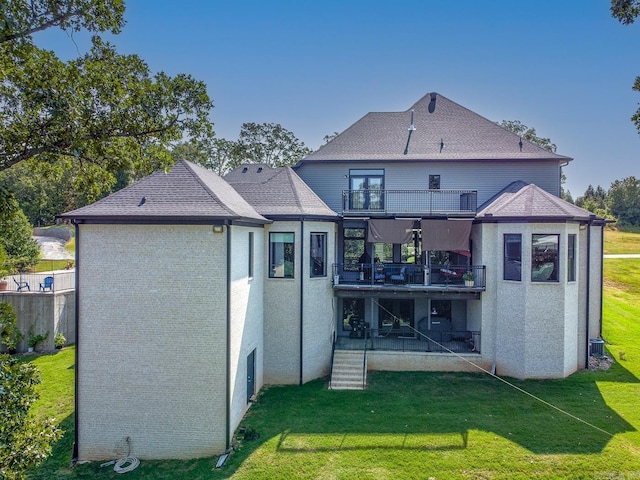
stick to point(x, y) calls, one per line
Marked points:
point(376, 202)
point(409, 277)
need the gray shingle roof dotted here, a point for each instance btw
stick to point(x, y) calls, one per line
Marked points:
point(188, 192)
point(521, 200)
point(277, 192)
point(448, 132)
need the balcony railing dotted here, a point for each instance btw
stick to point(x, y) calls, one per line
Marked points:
point(409, 274)
point(41, 282)
point(456, 341)
point(409, 202)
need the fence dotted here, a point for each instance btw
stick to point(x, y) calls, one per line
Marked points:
point(42, 282)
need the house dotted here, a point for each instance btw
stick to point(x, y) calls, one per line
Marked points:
point(429, 239)
point(436, 192)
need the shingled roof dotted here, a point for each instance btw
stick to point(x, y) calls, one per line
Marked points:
point(278, 192)
point(521, 200)
point(443, 130)
point(189, 193)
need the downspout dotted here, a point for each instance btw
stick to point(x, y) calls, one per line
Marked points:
point(587, 312)
point(74, 454)
point(301, 298)
point(228, 348)
point(601, 276)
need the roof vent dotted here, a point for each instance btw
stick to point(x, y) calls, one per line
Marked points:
point(412, 127)
point(520, 143)
point(441, 145)
point(244, 169)
point(432, 103)
point(259, 169)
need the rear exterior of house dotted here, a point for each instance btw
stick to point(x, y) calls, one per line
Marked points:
point(436, 192)
point(430, 239)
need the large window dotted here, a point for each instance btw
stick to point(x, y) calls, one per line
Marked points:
point(281, 255)
point(513, 256)
point(395, 315)
point(353, 245)
point(434, 182)
point(366, 189)
point(571, 258)
point(318, 255)
point(544, 257)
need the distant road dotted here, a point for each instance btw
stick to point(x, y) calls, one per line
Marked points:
point(622, 255)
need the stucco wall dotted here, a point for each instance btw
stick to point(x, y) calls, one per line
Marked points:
point(538, 325)
point(282, 310)
point(246, 317)
point(319, 308)
point(151, 341)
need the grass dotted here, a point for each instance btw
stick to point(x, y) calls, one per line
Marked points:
point(422, 425)
point(621, 241)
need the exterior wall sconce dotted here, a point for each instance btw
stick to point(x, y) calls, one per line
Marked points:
point(218, 228)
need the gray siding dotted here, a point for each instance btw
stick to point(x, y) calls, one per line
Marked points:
point(329, 179)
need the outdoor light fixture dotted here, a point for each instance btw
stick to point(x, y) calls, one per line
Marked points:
point(218, 229)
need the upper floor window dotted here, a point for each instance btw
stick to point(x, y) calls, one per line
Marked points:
point(512, 256)
point(281, 255)
point(318, 254)
point(544, 257)
point(354, 245)
point(571, 258)
point(434, 182)
point(366, 189)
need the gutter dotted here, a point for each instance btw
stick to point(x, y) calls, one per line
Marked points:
point(228, 347)
point(301, 376)
point(74, 454)
point(588, 296)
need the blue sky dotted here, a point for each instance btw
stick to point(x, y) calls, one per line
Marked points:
point(565, 68)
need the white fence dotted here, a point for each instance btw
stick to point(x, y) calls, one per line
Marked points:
point(54, 281)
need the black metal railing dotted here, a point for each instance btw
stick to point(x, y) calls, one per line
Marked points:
point(424, 202)
point(411, 340)
point(398, 274)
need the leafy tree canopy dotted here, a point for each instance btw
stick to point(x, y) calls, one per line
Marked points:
point(527, 133)
point(103, 111)
point(625, 11)
point(623, 201)
point(16, 239)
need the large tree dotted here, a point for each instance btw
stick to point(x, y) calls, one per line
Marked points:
point(626, 11)
point(623, 201)
point(271, 144)
point(104, 111)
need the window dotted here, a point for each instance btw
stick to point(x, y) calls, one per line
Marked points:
point(281, 255)
point(366, 188)
point(353, 245)
point(383, 252)
point(352, 311)
point(512, 256)
point(571, 258)
point(434, 182)
point(395, 315)
point(318, 255)
point(250, 266)
point(544, 257)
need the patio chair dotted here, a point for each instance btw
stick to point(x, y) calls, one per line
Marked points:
point(47, 284)
point(398, 277)
point(21, 285)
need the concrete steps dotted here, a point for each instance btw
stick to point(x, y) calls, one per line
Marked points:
point(348, 372)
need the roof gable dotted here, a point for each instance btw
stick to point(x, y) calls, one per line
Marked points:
point(443, 130)
point(521, 200)
point(188, 192)
point(277, 192)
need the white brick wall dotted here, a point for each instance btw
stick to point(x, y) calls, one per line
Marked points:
point(151, 341)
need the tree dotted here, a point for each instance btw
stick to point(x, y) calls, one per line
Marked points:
point(270, 144)
point(15, 237)
point(328, 138)
point(594, 200)
point(103, 111)
point(24, 441)
point(216, 154)
point(625, 11)
point(623, 201)
point(527, 133)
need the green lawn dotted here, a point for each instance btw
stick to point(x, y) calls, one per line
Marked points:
point(422, 425)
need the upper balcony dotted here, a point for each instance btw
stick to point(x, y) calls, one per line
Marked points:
point(375, 202)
